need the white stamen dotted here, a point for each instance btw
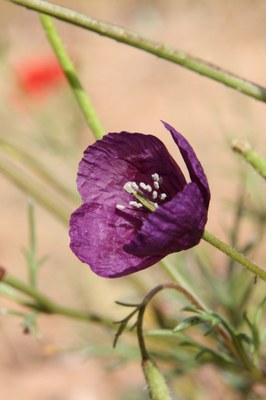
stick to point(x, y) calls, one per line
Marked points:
point(149, 188)
point(135, 204)
point(143, 185)
point(156, 185)
point(143, 200)
point(155, 177)
point(120, 207)
point(128, 187)
point(134, 185)
point(163, 196)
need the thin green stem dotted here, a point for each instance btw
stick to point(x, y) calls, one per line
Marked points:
point(32, 259)
point(157, 48)
point(81, 96)
point(235, 255)
point(36, 190)
point(158, 388)
point(38, 168)
point(244, 149)
point(43, 304)
point(32, 233)
point(9, 293)
point(173, 272)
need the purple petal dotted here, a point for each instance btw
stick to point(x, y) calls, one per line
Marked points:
point(121, 157)
point(98, 234)
point(194, 167)
point(177, 225)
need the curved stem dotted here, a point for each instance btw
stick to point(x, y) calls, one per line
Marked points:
point(142, 307)
point(147, 300)
point(142, 346)
point(234, 254)
point(157, 48)
point(158, 389)
point(81, 96)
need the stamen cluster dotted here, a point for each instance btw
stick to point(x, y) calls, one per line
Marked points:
point(145, 194)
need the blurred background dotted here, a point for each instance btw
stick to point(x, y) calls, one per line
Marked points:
point(132, 91)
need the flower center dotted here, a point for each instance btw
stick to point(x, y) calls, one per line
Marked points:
point(144, 194)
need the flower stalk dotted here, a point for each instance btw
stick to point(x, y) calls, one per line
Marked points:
point(243, 148)
point(159, 49)
point(158, 389)
point(235, 255)
point(80, 95)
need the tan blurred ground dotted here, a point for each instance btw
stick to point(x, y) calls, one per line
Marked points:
point(132, 91)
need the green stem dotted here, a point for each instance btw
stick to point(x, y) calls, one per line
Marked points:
point(43, 304)
point(243, 147)
point(31, 255)
point(37, 167)
point(157, 48)
point(158, 389)
point(33, 188)
point(81, 96)
point(235, 255)
point(173, 272)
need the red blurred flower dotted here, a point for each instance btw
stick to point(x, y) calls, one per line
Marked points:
point(39, 75)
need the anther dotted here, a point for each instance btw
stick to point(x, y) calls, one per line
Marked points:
point(154, 194)
point(128, 187)
point(143, 185)
point(135, 204)
point(156, 185)
point(149, 188)
point(163, 196)
point(155, 177)
point(143, 199)
point(120, 207)
point(134, 185)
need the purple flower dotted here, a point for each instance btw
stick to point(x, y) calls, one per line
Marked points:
point(137, 205)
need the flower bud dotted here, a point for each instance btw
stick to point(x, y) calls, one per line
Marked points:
point(157, 387)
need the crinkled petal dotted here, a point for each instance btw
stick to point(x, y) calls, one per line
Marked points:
point(194, 167)
point(98, 235)
point(121, 157)
point(177, 225)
